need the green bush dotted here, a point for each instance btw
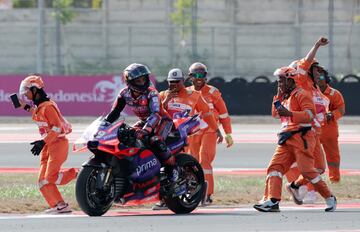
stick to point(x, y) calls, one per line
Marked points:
point(24, 3)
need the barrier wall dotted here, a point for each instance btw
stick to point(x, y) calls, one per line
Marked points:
point(94, 95)
point(255, 97)
point(75, 95)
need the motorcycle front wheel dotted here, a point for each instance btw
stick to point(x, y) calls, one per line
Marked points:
point(94, 201)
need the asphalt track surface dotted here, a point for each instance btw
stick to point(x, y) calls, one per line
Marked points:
point(254, 146)
point(202, 220)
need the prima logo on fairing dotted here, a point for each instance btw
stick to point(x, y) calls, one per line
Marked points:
point(146, 166)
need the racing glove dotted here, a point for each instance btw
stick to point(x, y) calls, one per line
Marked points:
point(38, 146)
point(141, 133)
point(229, 140)
point(329, 116)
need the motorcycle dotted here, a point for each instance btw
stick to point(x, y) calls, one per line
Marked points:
point(124, 171)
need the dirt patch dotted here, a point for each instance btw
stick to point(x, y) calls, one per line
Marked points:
point(19, 193)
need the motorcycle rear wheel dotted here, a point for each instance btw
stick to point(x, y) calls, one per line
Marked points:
point(194, 175)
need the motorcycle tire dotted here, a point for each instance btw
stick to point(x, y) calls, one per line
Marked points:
point(88, 198)
point(195, 179)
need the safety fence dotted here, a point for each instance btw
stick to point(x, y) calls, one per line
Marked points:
point(94, 95)
point(255, 97)
point(232, 37)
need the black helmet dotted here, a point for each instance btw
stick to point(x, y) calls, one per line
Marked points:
point(135, 71)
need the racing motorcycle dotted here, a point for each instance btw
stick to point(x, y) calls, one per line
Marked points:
point(124, 171)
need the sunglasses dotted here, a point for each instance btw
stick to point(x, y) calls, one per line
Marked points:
point(198, 75)
point(322, 77)
point(174, 82)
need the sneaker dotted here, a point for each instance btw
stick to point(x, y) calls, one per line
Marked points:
point(59, 208)
point(207, 201)
point(303, 190)
point(295, 195)
point(268, 206)
point(263, 199)
point(310, 197)
point(161, 205)
point(331, 203)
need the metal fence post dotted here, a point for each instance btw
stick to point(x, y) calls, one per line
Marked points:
point(130, 43)
point(194, 7)
point(298, 20)
point(170, 29)
point(213, 55)
point(105, 28)
point(233, 34)
point(40, 38)
point(331, 36)
point(58, 41)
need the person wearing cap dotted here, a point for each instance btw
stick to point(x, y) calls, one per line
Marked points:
point(202, 145)
point(53, 147)
point(179, 98)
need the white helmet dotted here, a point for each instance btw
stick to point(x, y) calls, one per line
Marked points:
point(175, 74)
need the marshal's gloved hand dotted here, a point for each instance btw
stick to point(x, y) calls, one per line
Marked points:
point(38, 146)
point(229, 140)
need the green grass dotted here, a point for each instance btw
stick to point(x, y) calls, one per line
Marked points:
point(19, 193)
point(250, 189)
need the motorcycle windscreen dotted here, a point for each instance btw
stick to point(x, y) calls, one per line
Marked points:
point(88, 135)
point(92, 132)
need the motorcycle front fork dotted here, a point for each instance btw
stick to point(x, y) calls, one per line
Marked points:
point(103, 177)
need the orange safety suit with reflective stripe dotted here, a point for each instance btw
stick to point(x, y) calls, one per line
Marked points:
point(192, 100)
point(52, 128)
point(330, 133)
point(321, 103)
point(202, 145)
point(293, 150)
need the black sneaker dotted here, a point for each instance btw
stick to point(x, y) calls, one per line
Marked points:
point(268, 206)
